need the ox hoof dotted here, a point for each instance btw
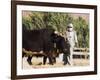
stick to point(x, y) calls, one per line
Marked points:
point(67, 63)
point(29, 62)
point(50, 63)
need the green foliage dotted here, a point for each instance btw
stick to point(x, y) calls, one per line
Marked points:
point(82, 29)
point(59, 22)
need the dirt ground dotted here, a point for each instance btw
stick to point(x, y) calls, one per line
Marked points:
point(37, 63)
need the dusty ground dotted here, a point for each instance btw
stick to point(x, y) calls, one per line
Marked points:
point(37, 63)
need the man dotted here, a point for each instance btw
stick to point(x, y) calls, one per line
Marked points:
point(72, 38)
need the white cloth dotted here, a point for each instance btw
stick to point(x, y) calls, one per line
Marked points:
point(72, 38)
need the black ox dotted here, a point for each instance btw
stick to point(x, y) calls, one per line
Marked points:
point(44, 40)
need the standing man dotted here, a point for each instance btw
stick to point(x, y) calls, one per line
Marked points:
point(72, 38)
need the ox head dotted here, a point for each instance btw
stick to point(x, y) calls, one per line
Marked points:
point(61, 43)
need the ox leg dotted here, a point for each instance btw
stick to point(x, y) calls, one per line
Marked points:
point(44, 60)
point(29, 60)
point(23, 54)
point(65, 59)
point(54, 60)
point(50, 60)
